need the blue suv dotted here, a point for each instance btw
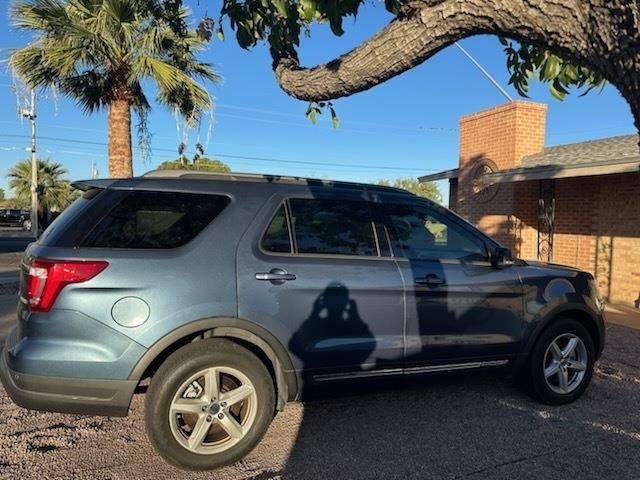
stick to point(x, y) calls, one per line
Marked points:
point(233, 292)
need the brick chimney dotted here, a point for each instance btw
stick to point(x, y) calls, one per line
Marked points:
point(497, 139)
point(503, 134)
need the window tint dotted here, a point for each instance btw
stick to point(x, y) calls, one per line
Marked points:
point(146, 219)
point(68, 219)
point(333, 227)
point(419, 233)
point(276, 238)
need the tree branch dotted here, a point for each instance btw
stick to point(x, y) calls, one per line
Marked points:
point(570, 28)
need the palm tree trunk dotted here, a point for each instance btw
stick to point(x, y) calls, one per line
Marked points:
point(120, 156)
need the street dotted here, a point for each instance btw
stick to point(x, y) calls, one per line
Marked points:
point(10, 255)
point(14, 240)
point(463, 426)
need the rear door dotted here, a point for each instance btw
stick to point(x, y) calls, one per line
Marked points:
point(311, 266)
point(459, 308)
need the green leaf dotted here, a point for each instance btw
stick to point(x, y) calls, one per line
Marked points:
point(335, 22)
point(335, 121)
point(281, 7)
point(557, 92)
point(244, 37)
point(551, 68)
point(311, 113)
point(392, 6)
point(307, 10)
point(529, 62)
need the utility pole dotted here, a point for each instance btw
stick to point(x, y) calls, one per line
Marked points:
point(31, 115)
point(34, 168)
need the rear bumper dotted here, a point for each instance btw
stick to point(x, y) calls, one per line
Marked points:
point(66, 395)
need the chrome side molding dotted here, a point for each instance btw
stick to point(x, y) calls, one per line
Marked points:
point(408, 371)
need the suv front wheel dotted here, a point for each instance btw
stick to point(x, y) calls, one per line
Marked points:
point(209, 404)
point(561, 364)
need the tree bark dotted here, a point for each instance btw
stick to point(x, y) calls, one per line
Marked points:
point(603, 35)
point(120, 155)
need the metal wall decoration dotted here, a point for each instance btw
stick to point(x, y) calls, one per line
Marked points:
point(546, 218)
point(483, 193)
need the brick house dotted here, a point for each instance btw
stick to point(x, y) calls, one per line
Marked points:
point(575, 204)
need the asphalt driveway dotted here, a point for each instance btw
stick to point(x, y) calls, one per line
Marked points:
point(469, 426)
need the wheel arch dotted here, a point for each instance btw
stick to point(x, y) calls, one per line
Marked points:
point(578, 312)
point(246, 333)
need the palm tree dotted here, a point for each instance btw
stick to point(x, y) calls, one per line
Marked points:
point(100, 52)
point(54, 192)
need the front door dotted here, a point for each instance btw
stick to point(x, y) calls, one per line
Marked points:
point(316, 277)
point(459, 308)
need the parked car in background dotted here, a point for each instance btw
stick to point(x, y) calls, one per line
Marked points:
point(14, 217)
point(233, 292)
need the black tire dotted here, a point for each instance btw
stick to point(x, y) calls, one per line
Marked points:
point(533, 376)
point(176, 369)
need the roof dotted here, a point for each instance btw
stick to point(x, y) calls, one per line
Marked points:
point(594, 157)
point(593, 151)
point(191, 175)
point(444, 175)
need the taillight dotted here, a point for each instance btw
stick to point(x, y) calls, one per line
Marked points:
point(46, 278)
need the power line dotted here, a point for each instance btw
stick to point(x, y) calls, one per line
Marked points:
point(351, 122)
point(392, 130)
point(241, 160)
point(80, 129)
point(304, 124)
point(233, 156)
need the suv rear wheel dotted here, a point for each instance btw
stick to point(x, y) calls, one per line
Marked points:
point(209, 405)
point(561, 364)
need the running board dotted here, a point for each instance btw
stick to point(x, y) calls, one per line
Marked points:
point(408, 371)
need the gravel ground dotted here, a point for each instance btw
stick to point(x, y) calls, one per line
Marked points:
point(471, 426)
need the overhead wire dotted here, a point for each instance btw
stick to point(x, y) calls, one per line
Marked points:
point(44, 139)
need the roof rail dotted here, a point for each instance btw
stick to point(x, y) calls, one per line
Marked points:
point(266, 178)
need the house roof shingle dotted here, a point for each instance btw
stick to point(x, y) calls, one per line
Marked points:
point(593, 157)
point(592, 151)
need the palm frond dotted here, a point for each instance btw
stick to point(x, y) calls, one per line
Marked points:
point(96, 51)
point(87, 89)
point(55, 193)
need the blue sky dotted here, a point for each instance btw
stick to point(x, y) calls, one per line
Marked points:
point(405, 127)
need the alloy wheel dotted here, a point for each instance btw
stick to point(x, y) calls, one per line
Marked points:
point(565, 363)
point(213, 410)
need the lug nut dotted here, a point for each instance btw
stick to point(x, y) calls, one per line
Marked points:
point(208, 418)
point(221, 416)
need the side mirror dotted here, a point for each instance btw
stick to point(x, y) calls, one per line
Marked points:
point(499, 256)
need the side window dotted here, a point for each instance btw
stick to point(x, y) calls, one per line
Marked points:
point(418, 233)
point(149, 219)
point(276, 238)
point(333, 227)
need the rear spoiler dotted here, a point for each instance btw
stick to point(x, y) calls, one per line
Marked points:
point(84, 185)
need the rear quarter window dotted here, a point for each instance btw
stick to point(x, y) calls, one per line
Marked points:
point(141, 219)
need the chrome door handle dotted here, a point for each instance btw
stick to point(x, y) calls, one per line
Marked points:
point(275, 275)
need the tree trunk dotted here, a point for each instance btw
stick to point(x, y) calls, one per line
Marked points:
point(120, 155)
point(603, 35)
